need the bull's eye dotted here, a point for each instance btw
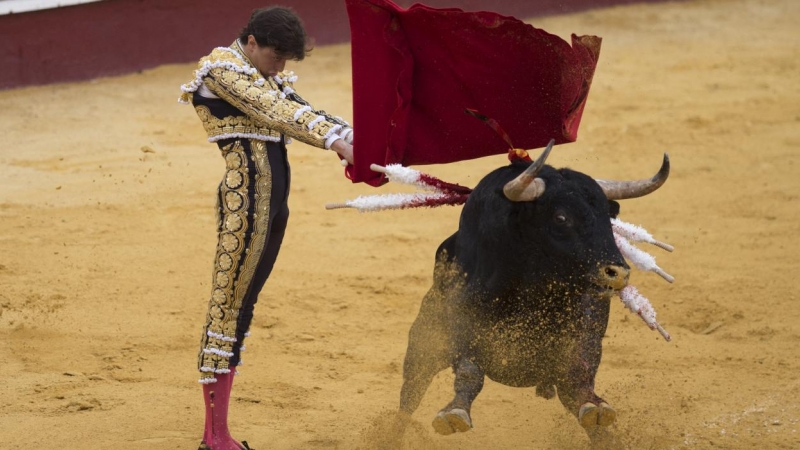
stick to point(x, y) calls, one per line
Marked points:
point(562, 221)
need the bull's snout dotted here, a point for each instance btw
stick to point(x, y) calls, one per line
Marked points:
point(613, 276)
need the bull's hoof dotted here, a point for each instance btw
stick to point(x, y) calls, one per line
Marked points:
point(449, 422)
point(591, 415)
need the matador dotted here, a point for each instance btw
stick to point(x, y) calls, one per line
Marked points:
point(249, 108)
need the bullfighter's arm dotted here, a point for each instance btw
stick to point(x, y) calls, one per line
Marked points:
point(287, 80)
point(268, 107)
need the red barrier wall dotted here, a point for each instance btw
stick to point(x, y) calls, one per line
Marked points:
point(120, 36)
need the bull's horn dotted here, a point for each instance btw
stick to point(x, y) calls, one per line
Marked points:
point(620, 190)
point(526, 187)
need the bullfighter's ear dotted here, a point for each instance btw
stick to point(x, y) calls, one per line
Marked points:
point(613, 209)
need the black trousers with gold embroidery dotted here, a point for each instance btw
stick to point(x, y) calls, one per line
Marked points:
point(252, 217)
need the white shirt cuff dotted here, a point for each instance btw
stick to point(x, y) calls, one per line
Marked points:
point(329, 142)
point(347, 135)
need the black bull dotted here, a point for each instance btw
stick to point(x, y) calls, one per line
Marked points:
point(521, 292)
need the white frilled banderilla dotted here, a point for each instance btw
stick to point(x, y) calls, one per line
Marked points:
point(438, 193)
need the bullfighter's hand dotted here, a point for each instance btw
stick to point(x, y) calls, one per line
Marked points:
point(344, 150)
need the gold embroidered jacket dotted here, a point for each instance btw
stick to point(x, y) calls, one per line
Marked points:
point(263, 108)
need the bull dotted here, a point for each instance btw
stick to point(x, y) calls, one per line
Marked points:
point(521, 292)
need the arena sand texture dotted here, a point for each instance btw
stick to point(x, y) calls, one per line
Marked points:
point(106, 206)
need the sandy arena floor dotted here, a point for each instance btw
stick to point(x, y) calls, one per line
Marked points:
point(106, 251)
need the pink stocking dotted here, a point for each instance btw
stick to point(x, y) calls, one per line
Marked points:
point(217, 397)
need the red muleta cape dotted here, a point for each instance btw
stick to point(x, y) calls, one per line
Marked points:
point(415, 71)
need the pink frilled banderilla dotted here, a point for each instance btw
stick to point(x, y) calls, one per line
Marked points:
point(438, 192)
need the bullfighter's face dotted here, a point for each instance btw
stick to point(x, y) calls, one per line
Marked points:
point(265, 59)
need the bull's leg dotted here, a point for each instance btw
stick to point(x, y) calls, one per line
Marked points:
point(429, 350)
point(426, 356)
point(578, 389)
point(576, 392)
point(593, 413)
point(468, 384)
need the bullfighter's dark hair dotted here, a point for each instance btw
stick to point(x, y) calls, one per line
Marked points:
point(280, 28)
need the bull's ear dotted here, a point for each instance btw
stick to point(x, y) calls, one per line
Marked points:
point(613, 209)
